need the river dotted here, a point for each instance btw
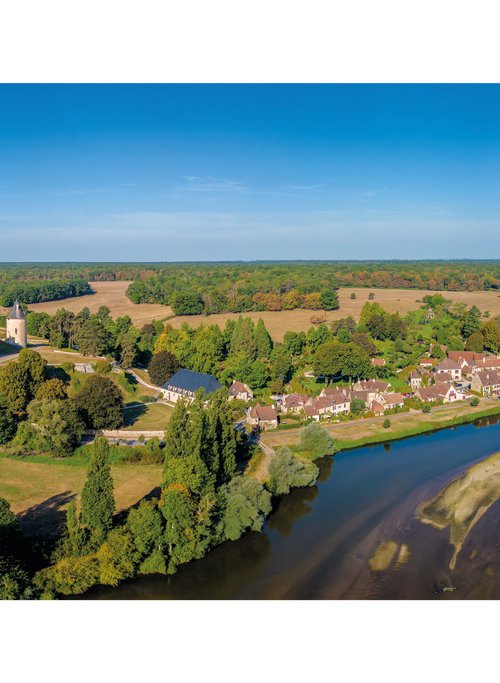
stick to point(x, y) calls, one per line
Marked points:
point(318, 541)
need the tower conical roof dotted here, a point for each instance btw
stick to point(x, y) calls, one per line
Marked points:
point(16, 312)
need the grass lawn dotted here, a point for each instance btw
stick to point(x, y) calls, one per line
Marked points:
point(40, 493)
point(147, 416)
point(397, 382)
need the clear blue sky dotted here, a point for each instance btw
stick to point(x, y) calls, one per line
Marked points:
point(249, 172)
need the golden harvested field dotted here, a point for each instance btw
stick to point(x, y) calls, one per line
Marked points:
point(393, 300)
point(112, 294)
point(39, 493)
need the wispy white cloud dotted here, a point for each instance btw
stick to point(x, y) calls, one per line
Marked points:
point(201, 235)
point(209, 184)
point(90, 190)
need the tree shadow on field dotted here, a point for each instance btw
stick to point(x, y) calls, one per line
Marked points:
point(121, 517)
point(46, 518)
point(132, 413)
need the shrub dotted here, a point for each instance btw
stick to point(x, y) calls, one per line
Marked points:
point(426, 408)
point(474, 401)
point(287, 471)
point(102, 367)
point(353, 295)
point(387, 423)
point(316, 440)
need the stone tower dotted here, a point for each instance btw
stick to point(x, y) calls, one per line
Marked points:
point(16, 326)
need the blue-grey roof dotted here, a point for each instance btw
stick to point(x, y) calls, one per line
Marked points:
point(192, 381)
point(16, 312)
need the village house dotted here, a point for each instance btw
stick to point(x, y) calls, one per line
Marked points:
point(487, 363)
point(486, 383)
point(378, 362)
point(466, 356)
point(445, 377)
point(319, 407)
point(240, 391)
point(438, 392)
point(366, 396)
point(376, 385)
point(415, 380)
point(185, 383)
point(451, 367)
point(373, 387)
point(294, 403)
point(392, 401)
point(341, 399)
point(263, 417)
point(426, 362)
point(377, 408)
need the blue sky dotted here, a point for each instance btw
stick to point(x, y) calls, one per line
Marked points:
point(249, 172)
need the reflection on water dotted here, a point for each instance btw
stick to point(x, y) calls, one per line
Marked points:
point(318, 540)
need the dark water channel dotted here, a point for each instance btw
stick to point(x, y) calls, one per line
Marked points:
point(317, 542)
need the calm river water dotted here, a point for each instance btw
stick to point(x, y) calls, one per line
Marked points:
point(317, 542)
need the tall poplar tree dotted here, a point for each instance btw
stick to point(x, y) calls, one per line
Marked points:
point(98, 503)
point(262, 340)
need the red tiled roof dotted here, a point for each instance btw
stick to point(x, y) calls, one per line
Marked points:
point(488, 378)
point(263, 413)
point(239, 388)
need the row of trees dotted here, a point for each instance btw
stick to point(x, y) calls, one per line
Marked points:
point(193, 302)
point(96, 334)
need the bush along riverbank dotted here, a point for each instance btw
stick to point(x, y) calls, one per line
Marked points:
point(205, 500)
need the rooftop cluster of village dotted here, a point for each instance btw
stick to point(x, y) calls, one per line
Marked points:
point(460, 376)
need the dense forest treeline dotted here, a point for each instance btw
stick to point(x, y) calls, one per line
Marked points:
point(36, 291)
point(245, 286)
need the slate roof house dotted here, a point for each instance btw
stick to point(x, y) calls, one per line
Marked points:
point(185, 383)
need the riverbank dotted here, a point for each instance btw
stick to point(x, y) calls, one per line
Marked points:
point(462, 503)
point(369, 431)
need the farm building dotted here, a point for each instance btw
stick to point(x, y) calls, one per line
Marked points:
point(185, 383)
